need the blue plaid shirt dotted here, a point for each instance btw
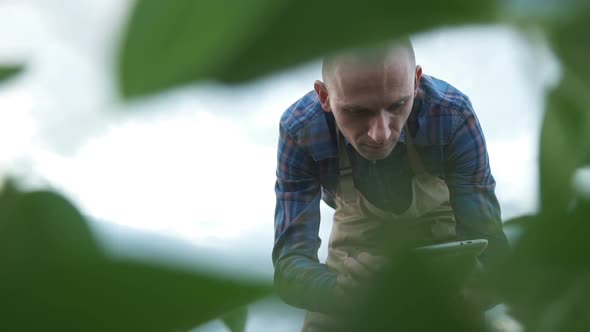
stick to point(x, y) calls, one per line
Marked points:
point(448, 138)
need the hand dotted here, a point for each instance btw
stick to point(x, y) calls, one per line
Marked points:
point(358, 272)
point(478, 297)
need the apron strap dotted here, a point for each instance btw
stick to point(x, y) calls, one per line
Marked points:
point(345, 189)
point(344, 166)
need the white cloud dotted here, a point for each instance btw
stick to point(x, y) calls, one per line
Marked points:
point(514, 164)
point(194, 176)
point(17, 126)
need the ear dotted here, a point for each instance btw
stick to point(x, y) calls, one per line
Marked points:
point(417, 79)
point(322, 91)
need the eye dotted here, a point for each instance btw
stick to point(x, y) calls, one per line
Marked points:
point(357, 111)
point(397, 106)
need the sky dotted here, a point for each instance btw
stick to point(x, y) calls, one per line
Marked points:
point(196, 164)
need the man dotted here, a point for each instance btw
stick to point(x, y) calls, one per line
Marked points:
point(398, 154)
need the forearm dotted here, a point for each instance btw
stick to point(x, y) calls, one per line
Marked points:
point(478, 217)
point(305, 283)
point(300, 279)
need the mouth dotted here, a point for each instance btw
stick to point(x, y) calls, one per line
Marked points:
point(380, 149)
point(376, 150)
point(376, 147)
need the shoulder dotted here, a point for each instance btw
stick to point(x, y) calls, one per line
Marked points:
point(301, 113)
point(440, 110)
point(306, 122)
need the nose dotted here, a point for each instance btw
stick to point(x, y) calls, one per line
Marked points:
point(379, 130)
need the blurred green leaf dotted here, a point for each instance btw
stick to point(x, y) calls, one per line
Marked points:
point(541, 12)
point(42, 226)
point(546, 282)
point(565, 136)
point(115, 296)
point(416, 294)
point(174, 42)
point(236, 319)
point(54, 277)
point(571, 41)
point(8, 72)
point(565, 141)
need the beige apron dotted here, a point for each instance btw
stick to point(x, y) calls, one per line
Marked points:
point(360, 226)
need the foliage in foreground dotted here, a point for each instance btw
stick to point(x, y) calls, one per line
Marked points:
point(56, 278)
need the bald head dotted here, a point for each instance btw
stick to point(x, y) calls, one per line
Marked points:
point(370, 92)
point(400, 51)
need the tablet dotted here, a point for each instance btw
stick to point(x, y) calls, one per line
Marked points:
point(466, 247)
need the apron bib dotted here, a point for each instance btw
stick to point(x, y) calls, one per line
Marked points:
point(359, 226)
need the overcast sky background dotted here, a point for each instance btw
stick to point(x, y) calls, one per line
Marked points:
point(197, 164)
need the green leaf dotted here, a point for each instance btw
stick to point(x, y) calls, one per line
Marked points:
point(44, 226)
point(8, 72)
point(116, 296)
point(571, 41)
point(546, 281)
point(565, 137)
point(174, 42)
point(544, 12)
point(55, 277)
point(565, 142)
point(416, 294)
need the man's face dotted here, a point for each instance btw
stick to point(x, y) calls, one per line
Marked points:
point(371, 103)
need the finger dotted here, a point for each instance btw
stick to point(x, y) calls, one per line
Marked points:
point(372, 263)
point(356, 269)
point(344, 282)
